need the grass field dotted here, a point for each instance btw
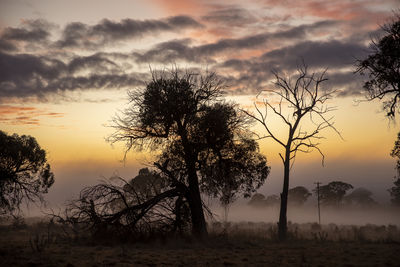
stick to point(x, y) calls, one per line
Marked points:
point(243, 244)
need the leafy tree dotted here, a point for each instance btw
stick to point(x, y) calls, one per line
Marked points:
point(257, 200)
point(147, 183)
point(204, 141)
point(383, 68)
point(272, 200)
point(24, 172)
point(234, 169)
point(296, 102)
point(298, 195)
point(360, 197)
point(333, 193)
point(395, 190)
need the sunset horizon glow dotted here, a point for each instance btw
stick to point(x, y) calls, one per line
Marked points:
point(66, 68)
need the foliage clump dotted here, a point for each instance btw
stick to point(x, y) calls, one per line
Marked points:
point(24, 172)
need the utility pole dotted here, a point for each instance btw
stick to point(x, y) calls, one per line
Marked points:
point(319, 210)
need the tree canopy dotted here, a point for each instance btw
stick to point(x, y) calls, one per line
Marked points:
point(382, 67)
point(24, 171)
point(395, 190)
point(204, 142)
point(147, 183)
point(260, 201)
point(360, 197)
point(298, 195)
point(333, 193)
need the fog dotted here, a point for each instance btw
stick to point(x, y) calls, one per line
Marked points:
point(376, 176)
point(380, 215)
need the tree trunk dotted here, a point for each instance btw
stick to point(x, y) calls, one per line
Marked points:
point(282, 224)
point(199, 227)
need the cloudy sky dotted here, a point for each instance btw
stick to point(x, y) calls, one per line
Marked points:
point(66, 67)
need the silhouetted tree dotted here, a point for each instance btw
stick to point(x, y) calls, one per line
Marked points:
point(333, 193)
point(257, 200)
point(293, 102)
point(205, 143)
point(24, 172)
point(118, 209)
point(395, 190)
point(298, 195)
point(383, 67)
point(360, 197)
point(236, 168)
point(147, 183)
point(272, 200)
point(260, 201)
point(383, 70)
point(226, 170)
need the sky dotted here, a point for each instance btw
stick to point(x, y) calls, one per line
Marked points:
point(66, 67)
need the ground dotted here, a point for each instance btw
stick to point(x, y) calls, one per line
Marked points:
point(24, 246)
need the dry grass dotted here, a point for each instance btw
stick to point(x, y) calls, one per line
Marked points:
point(240, 244)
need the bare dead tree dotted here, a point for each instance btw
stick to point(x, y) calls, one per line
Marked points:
point(119, 209)
point(295, 101)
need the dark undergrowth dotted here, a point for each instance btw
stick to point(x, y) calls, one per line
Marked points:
point(244, 244)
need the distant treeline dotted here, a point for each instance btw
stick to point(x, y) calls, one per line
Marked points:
point(334, 194)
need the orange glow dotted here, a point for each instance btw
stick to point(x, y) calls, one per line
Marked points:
point(174, 7)
point(17, 115)
point(250, 53)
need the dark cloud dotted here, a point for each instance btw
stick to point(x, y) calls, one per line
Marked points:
point(330, 54)
point(181, 50)
point(237, 64)
point(317, 54)
point(96, 62)
point(59, 70)
point(26, 75)
point(30, 75)
point(27, 66)
point(172, 51)
point(258, 40)
point(338, 57)
point(7, 46)
point(234, 16)
point(74, 35)
point(31, 32)
point(96, 81)
point(107, 32)
point(347, 83)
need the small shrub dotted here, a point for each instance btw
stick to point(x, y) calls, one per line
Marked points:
point(39, 242)
point(19, 223)
point(320, 236)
